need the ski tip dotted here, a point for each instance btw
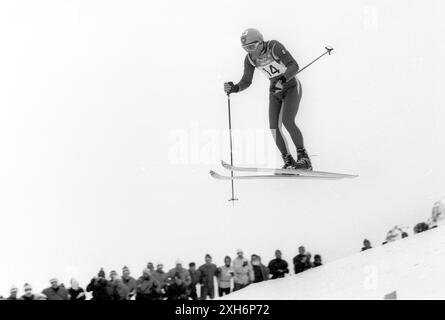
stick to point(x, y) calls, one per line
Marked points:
point(217, 176)
point(214, 174)
point(224, 164)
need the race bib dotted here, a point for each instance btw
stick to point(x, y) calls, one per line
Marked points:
point(272, 69)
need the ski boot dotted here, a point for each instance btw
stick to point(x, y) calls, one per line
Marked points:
point(289, 161)
point(303, 162)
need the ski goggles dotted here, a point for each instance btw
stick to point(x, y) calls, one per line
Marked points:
point(251, 46)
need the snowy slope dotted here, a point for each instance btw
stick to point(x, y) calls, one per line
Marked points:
point(414, 267)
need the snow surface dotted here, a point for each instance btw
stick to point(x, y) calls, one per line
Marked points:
point(413, 267)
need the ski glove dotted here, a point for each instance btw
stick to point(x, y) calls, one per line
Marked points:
point(278, 87)
point(229, 87)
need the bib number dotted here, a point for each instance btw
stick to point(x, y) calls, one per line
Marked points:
point(273, 69)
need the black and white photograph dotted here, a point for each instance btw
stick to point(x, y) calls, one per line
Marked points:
point(242, 152)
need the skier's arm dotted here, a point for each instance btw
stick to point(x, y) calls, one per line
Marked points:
point(283, 55)
point(246, 80)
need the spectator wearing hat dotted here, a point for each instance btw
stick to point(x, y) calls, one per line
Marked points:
point(100, 287)
point(260, 271)
point(317, 261)
point(147, 288)
point(243, 271)
point(178, 289)
point(13, 293)
point(278, 267)
point(161, 277)
point(178, 269)
point(195, 275)
point(224, 275)
point(29, 295)
point(56, 291)
point(76, 292)
point(208, 273)
point(129, 281)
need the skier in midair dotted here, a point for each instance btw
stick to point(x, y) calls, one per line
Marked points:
point(280, 67)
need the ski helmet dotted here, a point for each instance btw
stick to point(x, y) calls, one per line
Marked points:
point(250, 36)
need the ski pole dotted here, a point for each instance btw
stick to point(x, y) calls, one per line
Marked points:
point(231, 148)
point(328, 51)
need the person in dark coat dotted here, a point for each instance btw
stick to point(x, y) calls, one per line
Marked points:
point(208, 274)
point(260, 271)
point(183, 272)
point(76, 292)
point(178, 289)
point(119, 290)
point(29, 295)
point(162, 278)
point(147, 287)
point(278, 267)
point(129, 281)
point(300, 260)
point(317, 261)
point(195, 275)
point(56, 291)
point(421, 227)
point(306, 263)
point(100, 287)
point(366, 245)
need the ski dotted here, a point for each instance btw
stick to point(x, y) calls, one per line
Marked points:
point(275, 176)
point(287, 172)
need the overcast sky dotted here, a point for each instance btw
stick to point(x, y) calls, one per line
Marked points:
point(112, 113)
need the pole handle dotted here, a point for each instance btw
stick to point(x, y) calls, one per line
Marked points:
point(329, 49)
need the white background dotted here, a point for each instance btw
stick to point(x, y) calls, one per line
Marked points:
point(94, 94)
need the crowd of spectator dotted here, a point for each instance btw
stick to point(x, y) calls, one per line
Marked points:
point(400, 232)
point(179, 283)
